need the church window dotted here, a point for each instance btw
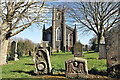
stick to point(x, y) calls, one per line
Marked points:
point(49, 37)
point(58, 15)
point(70, 37)
point(58, 34)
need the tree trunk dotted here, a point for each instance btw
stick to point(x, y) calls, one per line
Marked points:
point(4, 48)
point(99, 38)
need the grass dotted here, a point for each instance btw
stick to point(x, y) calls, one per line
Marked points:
point(24, 68)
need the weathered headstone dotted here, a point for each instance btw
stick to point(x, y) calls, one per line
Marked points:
point(41, 44)
point(42, 62)
point(16, 57)
point(102, 51)
point(29, 53)
point(78, 49)
point(75, 67)
point(45, 45)
point(86, 47)
point(67, 48)
point(96, 45)
point(13, 50)
point(112, 40)
point(58, 49)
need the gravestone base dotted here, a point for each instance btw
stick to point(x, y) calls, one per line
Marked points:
point(79, 54)
point(75, 75)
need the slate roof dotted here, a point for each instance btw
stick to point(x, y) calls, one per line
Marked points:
point(50, 28)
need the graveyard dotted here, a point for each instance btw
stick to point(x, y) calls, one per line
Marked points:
point(67, 41)
point(24, 68)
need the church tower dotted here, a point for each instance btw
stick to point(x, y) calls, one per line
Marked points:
point(53, 29)
point(60, 36)
point(63, 29)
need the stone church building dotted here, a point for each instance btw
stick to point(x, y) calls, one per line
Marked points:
point(59, 35)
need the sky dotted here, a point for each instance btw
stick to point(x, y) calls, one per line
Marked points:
point(35, 34)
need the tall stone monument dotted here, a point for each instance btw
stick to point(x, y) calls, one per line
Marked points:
point(112, 40)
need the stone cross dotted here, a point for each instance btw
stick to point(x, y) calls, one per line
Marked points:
point(42, 62)
point(78, 49)
point(75, 67)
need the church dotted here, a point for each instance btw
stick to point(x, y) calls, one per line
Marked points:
point(59, 35)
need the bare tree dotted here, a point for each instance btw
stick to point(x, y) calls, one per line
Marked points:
point(98, 17)
point(15, 17)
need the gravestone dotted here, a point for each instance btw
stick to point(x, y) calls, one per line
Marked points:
point(96, 45)
point(112, 40)
point(75, 67)
point(58, 49)
point(29, 53)
point(42, 62)
point(45, 45)
point(67, 48)
point(86, 48)
point(78, 49)
point(102, 51)
point(13, 50)
point(16, 57)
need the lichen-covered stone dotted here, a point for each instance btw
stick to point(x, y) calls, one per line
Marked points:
point(75, 67)
point(112, 40)
point(78, 49)
point(42, 62)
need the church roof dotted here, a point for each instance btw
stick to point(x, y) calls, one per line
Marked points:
point(50, 28)
point(69, 28)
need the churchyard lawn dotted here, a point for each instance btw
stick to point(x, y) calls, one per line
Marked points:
point(24, 68)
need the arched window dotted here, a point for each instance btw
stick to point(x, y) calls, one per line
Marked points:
point(58, 15)
point(69, 39)
point(58, 34)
